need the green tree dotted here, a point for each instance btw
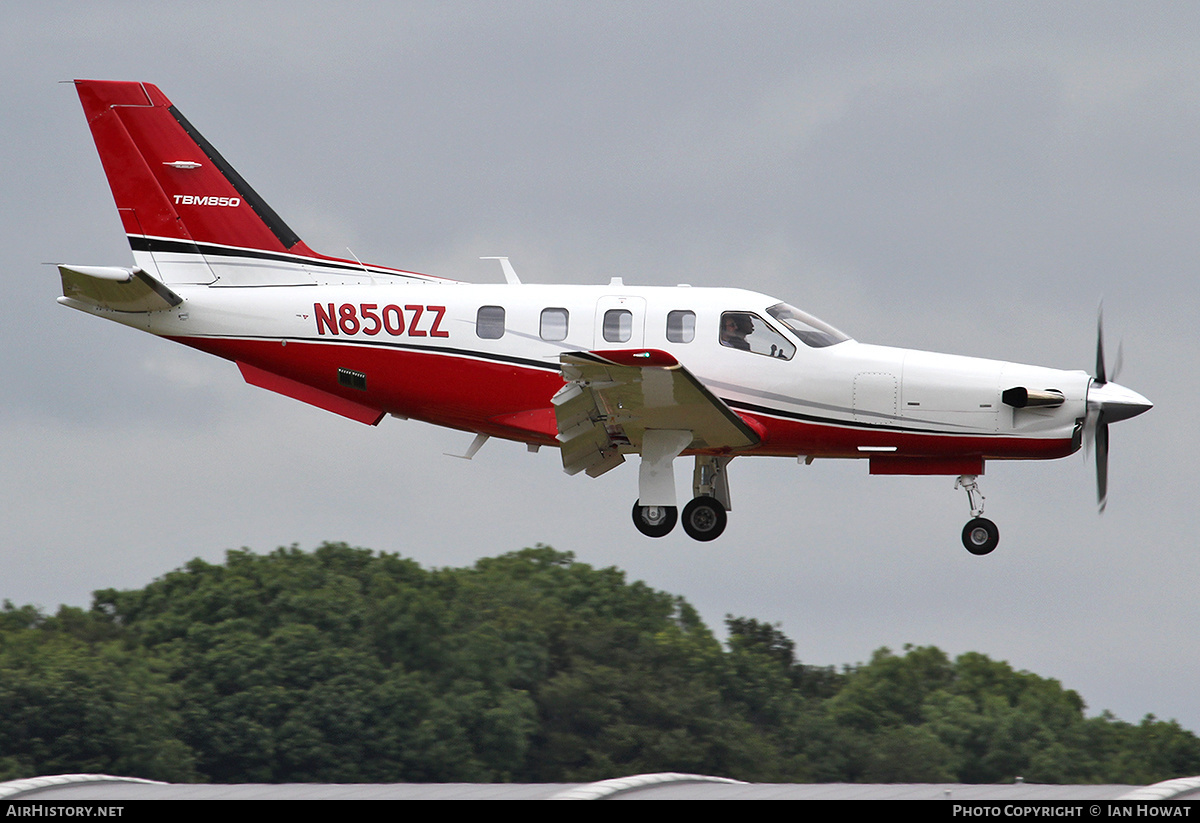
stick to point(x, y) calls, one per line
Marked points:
point(345, 665)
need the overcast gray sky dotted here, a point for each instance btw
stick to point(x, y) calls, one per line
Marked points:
point(959, 177)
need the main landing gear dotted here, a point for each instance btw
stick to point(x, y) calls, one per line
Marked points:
point(980, 535)
point(654, 521)
point(704, 518)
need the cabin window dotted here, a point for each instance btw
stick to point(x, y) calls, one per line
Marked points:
point(554, 324)
point(681, 326)
point(618, 325)
point(749, 332)
point(489, 322)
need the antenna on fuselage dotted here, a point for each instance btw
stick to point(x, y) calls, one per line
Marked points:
point(360, 264)
point(510, 274)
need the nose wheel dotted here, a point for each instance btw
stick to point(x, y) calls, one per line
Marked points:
point(980, 535)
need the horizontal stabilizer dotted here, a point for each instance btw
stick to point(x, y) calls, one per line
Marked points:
point(116, 288)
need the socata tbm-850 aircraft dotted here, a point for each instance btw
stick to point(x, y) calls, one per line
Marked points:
point(598, 371)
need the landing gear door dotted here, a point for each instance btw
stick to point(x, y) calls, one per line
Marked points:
point(620, 323)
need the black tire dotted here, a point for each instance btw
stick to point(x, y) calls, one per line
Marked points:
point(980, 536)
point(654, 521)
point(704, 519)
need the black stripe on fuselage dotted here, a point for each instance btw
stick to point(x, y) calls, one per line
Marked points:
point(851, 424)
point(414, 347)
point(540, 366)
point(164, 245)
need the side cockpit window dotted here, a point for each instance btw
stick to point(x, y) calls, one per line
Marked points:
point(489, 322)
point(681, 326)
point(749, 332)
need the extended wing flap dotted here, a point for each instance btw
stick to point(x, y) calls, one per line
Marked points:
point(115, 288)
point(613, 397)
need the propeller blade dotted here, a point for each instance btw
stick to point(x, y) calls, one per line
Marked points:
point(1107, 403)
point(1101, 463)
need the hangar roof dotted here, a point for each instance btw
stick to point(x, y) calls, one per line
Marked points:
point(668, 786)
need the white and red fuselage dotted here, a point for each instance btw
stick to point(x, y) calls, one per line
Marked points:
point(417, 344)
point(663, 371)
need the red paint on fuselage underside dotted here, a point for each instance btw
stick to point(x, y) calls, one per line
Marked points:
point(501, 399)
point(512, 401)
point(788, 438)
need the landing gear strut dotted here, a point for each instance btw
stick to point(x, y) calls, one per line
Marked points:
point(980, 535)
point(704, 518)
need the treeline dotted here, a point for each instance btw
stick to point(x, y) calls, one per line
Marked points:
point(341, 665)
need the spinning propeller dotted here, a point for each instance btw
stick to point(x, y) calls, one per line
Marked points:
point(1107, 403)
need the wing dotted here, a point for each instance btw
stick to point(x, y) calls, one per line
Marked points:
point(613, 397)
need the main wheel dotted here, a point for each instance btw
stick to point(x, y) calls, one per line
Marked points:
point(980, 536)
point(654, 521)
point(704, 519)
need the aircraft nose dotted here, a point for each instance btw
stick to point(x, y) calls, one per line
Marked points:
point(1116, 402)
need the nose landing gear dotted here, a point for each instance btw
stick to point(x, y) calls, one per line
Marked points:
point(980, 536)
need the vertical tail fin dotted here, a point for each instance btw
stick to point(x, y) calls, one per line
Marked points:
point(180, 202)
